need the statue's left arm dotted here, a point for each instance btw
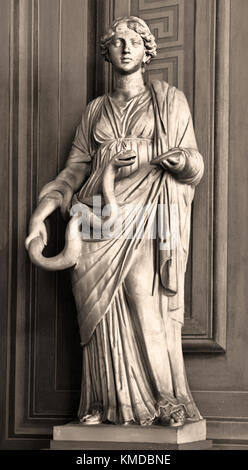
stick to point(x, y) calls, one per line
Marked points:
point(183, 159)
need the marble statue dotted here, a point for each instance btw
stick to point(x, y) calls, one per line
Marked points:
point(134, 159)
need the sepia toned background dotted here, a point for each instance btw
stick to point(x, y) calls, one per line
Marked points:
point(50, 67)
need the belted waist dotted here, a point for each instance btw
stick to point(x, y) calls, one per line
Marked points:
point(122, 140)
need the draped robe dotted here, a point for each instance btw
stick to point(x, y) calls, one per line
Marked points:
point(129, 289)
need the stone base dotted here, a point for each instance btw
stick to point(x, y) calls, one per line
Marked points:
point(106, 436)
point(79, 445)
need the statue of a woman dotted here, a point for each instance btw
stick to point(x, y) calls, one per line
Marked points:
point(136, 149)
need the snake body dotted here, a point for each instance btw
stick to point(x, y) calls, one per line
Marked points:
point(72, 250)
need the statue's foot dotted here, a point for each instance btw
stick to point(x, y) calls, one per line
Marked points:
point(94, 418)
point(171, 415)
point(178, 418)
point(129, 423)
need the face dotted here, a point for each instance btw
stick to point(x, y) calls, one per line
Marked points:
point(127, 50)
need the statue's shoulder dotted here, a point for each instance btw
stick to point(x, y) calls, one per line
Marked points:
point(95, 103)
point(169, 99)
point(165, 90)
point(161, 86)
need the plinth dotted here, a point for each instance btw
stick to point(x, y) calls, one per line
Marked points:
point(106, 436)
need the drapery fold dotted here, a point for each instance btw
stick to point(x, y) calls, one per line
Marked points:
point(119, 381)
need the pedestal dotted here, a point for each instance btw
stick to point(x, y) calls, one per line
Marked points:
point(105, 436)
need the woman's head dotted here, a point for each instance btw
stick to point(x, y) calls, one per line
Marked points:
point(131, 33)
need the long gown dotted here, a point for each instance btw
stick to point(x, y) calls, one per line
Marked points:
point(129, 291)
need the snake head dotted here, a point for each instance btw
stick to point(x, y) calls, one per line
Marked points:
point(123, 158)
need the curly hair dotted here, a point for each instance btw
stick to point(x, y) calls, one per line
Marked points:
point(137, 25)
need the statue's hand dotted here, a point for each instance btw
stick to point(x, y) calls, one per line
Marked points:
point(174, 160)
point(37, 228)
point(123, 158)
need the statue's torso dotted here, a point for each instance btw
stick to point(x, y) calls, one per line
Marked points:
point(116, 128)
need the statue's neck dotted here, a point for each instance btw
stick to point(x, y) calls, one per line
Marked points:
point(128, 86)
